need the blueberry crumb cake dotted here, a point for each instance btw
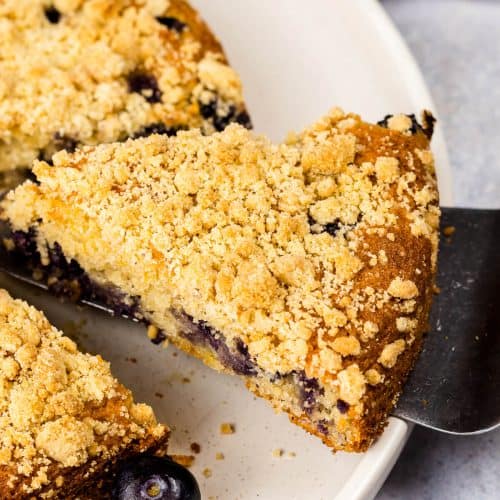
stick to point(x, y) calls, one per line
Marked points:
point(95, 71)
point(305, 267)
point(65, 422)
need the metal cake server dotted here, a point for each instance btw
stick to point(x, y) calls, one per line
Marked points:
point(455, 385)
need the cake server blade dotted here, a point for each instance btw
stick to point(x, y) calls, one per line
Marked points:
point(455, 385)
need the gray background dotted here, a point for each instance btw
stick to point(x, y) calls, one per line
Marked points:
point(457, 45)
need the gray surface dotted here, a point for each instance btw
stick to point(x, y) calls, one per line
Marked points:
point(457, 44)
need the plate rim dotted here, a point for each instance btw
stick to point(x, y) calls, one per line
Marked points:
point(377, 463)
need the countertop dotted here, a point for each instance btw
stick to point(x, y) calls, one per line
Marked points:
point(457, 45)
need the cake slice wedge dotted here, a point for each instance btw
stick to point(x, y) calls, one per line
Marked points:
point(305, 267)
point(65, 422)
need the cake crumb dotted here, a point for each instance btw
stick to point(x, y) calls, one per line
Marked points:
point(185, 460)
point(277, 453)
point(291, 454)
point(195, 448)
point(226, 428)
point(132, 360)
point(207, 472)
point(449, 230)
point(186, 380)
point(219, 456)
point(152, 332)
point(159, 395)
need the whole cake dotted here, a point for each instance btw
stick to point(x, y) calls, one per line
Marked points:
point(305, 267)
point(95, 71)
point(65, 422)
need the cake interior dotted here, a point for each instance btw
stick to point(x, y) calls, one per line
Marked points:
point(303, 398)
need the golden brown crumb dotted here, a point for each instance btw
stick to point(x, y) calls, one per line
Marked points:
point(449, 231)
point(207, 472)
point(185, 460)
point(152, 332)
point(219, 456)
point(226, 428)
point(277, 453)
point(195, 448)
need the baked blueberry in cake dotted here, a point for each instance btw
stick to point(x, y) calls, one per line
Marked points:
point(66, 423)
point(95, 71)
point(305, 267)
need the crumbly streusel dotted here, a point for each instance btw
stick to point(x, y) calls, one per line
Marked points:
point(315, 257)
point(94, 71)
point(60, 410)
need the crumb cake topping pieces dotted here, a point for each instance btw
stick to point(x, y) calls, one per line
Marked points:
point(93, 71)
point(57, 406)
point(311, 252)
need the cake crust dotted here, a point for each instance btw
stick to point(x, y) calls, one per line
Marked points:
point(65, 422)
point(96, 71)
point(307, 267)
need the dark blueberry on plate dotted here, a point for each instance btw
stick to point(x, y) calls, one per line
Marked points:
point(172, 23)
point(153, 478)
point(52, 14)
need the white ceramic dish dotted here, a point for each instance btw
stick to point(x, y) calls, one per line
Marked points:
point(296, 59)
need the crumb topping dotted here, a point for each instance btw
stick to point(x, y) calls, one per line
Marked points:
point(95, 71)
point(58, 407)
point(305, 251)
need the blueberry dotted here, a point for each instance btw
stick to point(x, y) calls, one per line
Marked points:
point(172, 23)
point(62, 141)
point(153, 478)
point(160, 338)
point(342, 406)
point(212, 111)
point(237, 359)
point(428, 122)
point(332, 227)
point(52, 14)
point(310, 390)
point(156, 128)
point(322, 427)
point(243, 119)
point(25, 242)
point(144, 84)
point(208, 110)
point(415, 126)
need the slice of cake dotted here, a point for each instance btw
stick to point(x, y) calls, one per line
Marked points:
point(65, 422)
point(306, 267)
point(95, 71)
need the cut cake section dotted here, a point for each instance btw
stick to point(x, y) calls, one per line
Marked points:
point(65, 421)
point(305, 267)
point(95, 71)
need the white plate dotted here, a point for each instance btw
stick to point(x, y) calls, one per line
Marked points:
point(297, 59)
